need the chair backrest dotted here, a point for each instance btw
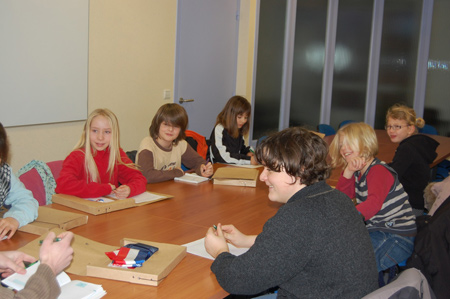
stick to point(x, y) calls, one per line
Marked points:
point(344, 122)
point(326, 129)
point(198, 143)
point(410, 283)
point(428, 129)
point(33, 180)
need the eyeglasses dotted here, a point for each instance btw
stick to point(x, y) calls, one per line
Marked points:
point(395, 127)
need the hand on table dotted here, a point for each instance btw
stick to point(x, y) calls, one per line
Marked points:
point(8, 227)
point(122, 192)
point(207, 170)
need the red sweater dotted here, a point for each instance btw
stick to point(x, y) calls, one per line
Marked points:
point(73, 177)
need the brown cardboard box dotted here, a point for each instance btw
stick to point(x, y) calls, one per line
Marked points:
point(236, 176)
point(49, 218)
point(91, 207)
point(89, 259)
point(97, 208)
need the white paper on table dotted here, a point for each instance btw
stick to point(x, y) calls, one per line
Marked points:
point(147, 197)
point(198, 248)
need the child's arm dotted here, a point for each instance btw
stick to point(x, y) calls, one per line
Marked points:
point(223, 150)
point(402, 160)
point(130, 177)
point(379, 183)
point(346, 186)
point(192, 160)
point(153, 175)
point(23, 208)
point(72, 179)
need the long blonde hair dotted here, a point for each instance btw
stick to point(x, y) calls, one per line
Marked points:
point(359, 136)
point(114, 146)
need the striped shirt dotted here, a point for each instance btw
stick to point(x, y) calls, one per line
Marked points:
point(395, 215)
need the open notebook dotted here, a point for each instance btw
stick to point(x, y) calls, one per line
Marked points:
point(191, 178)
point(70, 289)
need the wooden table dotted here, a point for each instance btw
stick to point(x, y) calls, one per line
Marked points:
point(386, 151)
point(179, 220)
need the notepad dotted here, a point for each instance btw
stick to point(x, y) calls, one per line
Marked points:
point(191, 178)
point(198, 248)
point(70, 289)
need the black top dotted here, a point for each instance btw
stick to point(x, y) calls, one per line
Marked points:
point(412, 163)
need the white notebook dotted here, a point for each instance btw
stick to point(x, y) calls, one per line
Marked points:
point(70, 289)
point(191, 178)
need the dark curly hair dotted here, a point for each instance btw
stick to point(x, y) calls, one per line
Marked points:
point(4, 146)
point(298, 151)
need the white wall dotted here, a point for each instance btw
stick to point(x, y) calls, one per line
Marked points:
point(131, 62)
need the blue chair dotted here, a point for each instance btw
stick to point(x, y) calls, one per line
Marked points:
point(344, 122)
point(326, 129)
point(428, 129)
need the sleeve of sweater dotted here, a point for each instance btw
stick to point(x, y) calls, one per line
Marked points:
point(273, 259)
point(220, 148)
point(72, 179)
point(154, 175)
point(22, 205)
point(192, 160)
point(379, 183)
point(347, 186)
point(42, 284)
point(131, 177)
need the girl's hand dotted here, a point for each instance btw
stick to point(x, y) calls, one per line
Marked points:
point(207, 170)
point(355, 164)
point(235, 237)
point(9, 226)
point(215, 242)
point(253, 161)
point(122, 192)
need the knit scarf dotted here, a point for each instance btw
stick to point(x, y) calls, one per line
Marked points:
point(5, 182)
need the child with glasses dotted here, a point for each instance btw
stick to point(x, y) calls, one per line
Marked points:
point(413, 155)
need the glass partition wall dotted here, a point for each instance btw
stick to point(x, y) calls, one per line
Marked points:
point(326, 61)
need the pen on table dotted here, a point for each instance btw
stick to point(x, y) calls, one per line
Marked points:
point(54, 240)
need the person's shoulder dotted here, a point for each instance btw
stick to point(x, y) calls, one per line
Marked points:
point(76, 154)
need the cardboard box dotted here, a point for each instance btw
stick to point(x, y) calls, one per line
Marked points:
point(49, 218)
point(89, 259)
point(97, 208)
point(92, 207)
point(153, 271)
point(236, 176)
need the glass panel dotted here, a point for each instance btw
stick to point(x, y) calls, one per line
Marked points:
point(309, 51)
point(269, 68)
point(437, 108)
point(351, 61)
point(398, 58)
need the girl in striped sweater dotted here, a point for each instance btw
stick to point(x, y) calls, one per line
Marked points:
point(380, 197)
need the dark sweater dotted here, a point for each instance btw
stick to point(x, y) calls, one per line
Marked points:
point(316, 246)
point(412, 163)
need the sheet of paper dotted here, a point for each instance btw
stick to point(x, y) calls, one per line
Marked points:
point(18, 281)
point(77, 289)
point(198, 248)
point(147, 197)
point(191, 178)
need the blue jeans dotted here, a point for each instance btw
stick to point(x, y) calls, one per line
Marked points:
point(390, 249)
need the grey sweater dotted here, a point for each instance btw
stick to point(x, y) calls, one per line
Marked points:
point(316, 246)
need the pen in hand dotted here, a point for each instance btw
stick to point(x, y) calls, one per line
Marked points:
point(54, 240)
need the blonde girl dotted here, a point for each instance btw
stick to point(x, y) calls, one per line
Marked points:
point(414, 154)
point(380, 198)
point(98, 166)
point(227, 137)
